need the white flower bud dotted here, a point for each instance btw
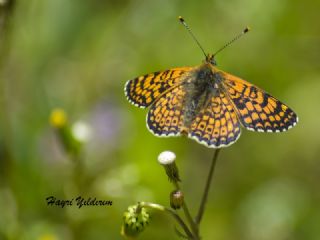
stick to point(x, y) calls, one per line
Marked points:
point(167, 160)
point(166, 157)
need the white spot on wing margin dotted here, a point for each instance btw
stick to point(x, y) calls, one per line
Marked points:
point(212, 145)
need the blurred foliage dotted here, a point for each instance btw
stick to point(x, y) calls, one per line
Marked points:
point(77, 55)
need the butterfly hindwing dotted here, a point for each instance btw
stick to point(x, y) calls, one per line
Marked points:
point(258, 110)
point(144, 90)
point(165, 116)
point(217, 124)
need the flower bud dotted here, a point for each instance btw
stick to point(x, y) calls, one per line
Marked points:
point(176, 199)
point(136, 219)
point(167, 160)
point(58, 118)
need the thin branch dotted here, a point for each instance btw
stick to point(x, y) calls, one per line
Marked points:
point(207, 187)
point(180, 234)
point(188, 215)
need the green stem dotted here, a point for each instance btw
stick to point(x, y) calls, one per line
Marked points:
point(207, 187)
point(171, 212)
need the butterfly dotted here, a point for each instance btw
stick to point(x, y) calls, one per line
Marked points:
point(206, 104)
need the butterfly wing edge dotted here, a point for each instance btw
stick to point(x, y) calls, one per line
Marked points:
point(126, 93)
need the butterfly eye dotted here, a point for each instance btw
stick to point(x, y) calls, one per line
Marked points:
point(212, 60)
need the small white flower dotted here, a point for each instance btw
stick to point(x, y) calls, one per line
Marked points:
point(166, 157)
point(81, 131)
point(3, 2)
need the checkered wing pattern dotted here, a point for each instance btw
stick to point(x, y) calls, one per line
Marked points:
point(216, 125)
point(165, 117)
point(143, 91)
point(257, 110)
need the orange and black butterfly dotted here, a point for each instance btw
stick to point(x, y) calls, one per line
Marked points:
point(206, 104)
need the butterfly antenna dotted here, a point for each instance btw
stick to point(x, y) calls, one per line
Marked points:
point(194, 38)
point(247, 29)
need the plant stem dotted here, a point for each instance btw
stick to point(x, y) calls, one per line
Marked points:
point(207, 187)
point(188, 216)
point(171, 212)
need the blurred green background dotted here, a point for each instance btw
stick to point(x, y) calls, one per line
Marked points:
point(77, 55)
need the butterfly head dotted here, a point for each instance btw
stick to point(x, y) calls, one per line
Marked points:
point(210, 59)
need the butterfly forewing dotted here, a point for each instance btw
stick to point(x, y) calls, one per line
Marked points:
point(165, 116)
point(216, 125)
point(144, 90)
point(256, 109)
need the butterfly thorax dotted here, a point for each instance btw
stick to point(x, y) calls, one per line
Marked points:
point(200, 86)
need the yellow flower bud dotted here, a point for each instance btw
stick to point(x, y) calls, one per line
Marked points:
point(58, 118)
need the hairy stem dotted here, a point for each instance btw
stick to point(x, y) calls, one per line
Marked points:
point(192, 224)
